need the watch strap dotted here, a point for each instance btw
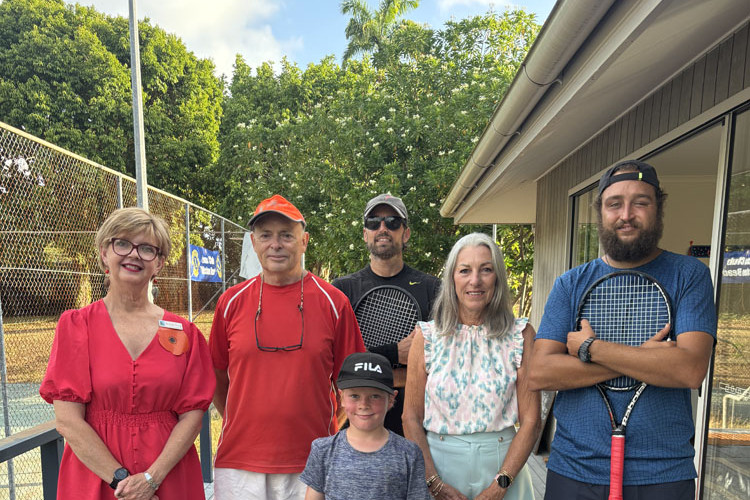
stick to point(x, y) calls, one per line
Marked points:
point(119, 474)
point(150, 480)
point(583, 351)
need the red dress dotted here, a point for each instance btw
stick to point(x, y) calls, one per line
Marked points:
point(132, 405)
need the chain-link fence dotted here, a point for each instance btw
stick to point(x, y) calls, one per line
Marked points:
point(51, 204)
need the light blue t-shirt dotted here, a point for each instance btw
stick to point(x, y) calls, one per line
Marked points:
point(394, 472)
point(658, 447)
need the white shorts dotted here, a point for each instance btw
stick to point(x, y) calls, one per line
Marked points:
point(238, 484)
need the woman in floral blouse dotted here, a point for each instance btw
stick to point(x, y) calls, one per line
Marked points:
point(467, 382)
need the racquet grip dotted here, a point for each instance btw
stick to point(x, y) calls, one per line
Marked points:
point(616, 465)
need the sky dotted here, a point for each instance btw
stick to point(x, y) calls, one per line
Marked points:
point(305, 31)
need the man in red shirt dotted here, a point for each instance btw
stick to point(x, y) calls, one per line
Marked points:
point(277, 342)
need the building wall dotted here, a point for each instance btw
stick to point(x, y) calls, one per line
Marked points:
point(720, 73)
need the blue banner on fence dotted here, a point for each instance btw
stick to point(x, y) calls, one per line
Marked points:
point(205, 265)
point(736, 267)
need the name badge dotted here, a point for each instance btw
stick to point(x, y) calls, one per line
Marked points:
point(172, 325)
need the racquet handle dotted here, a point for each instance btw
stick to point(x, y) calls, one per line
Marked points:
point(616, 464)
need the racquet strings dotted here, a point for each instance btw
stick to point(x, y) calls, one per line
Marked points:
point(627, 309)
point(385, 316)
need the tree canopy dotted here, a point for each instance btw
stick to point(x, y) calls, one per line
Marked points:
point(372, 31)
point(65, 77)
point(330, 137)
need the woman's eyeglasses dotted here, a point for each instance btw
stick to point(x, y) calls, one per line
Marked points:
point(123, 247)
point(294, 347)
point(392, 222)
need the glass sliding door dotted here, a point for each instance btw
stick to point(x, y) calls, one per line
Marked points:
point(727, 457)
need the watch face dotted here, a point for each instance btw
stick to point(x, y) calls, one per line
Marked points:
point(121, 473)
point(503, 481)
point(584, 355)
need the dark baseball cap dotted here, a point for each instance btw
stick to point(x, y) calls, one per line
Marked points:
point(387, 199)
point(366, 369)
point(644, 172)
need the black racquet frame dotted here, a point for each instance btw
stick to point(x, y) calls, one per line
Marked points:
point(386, 314)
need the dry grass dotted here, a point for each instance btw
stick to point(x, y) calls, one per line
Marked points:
point(27, 345)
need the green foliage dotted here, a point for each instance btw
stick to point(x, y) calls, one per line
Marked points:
point(371, 32)
point(65, 77)
point(329, 138)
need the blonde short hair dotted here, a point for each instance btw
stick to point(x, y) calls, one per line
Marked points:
point(133, 221)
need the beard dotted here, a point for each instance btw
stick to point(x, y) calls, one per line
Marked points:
point(633, 251)
point(384, 252)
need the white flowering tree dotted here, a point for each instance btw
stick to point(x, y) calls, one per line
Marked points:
point(329, 138)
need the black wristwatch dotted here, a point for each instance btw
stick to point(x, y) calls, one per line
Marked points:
point(504, 479)
point(583, 351)
point(119, 475)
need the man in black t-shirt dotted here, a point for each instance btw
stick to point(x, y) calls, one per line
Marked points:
point(386, 233)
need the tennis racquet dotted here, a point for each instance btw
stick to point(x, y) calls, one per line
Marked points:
point(386, 314)
point(625, 307)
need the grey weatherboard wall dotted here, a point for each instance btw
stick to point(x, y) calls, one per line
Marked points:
point(718, 74)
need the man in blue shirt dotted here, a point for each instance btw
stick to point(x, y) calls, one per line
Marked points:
point(659, 448)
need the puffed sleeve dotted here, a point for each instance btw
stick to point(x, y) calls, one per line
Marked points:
point(517, 349)
point(68, 377)
point(426, 327)
point(199, 381)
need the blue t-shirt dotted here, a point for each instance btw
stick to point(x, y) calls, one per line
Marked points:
point(658, 445)
point(395, 471)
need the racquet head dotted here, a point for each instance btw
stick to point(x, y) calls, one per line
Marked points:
point(386, 314)
point(625, 307)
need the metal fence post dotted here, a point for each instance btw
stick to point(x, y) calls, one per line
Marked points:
point(187, 251)
point(223, 258)
point(138, 129)
point(6, 409)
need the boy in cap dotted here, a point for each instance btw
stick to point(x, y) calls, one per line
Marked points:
point(365, 461)
point(277, 343)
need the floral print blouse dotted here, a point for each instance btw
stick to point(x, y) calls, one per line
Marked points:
point(471, 379)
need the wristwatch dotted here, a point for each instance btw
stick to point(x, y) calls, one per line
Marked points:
point(119, 475)
point(150, 480)
point(583, 351)
point(504, 479)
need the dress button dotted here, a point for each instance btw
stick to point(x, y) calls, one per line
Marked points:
point(441, 437)
point(500, 439)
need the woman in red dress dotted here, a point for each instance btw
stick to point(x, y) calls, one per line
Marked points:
point(129, 381)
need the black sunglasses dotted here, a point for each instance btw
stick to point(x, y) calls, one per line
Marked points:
point(392, 222)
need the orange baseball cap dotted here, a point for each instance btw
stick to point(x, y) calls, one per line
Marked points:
point(280, 205)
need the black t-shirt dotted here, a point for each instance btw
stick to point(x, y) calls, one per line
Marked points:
point(422, 286)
